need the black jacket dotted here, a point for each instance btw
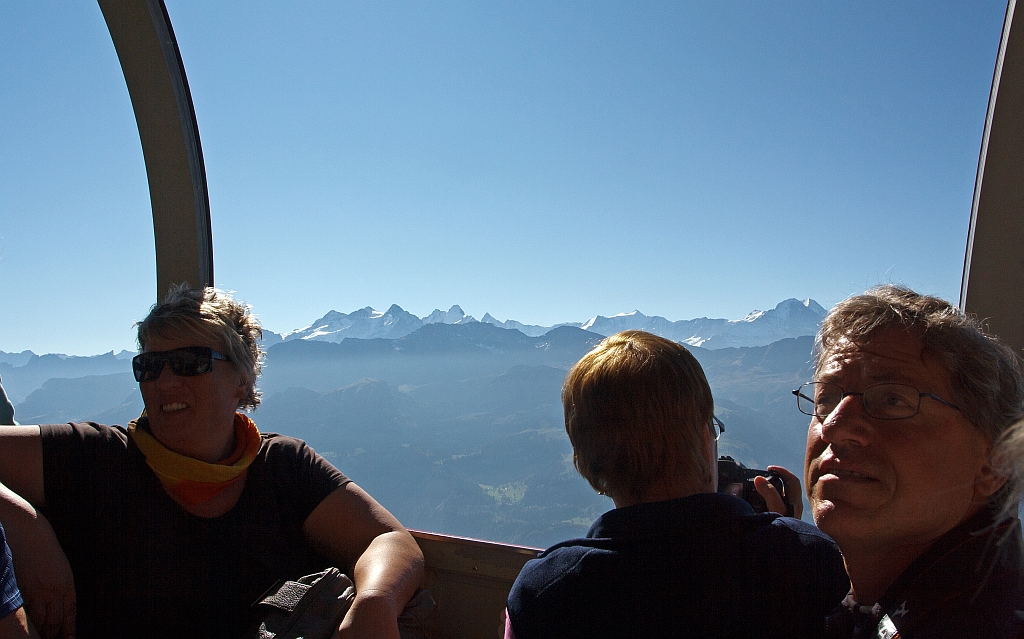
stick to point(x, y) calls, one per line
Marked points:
point(968, 584)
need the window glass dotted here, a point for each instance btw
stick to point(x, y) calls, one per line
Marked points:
point(76, 236)
point(544, 164)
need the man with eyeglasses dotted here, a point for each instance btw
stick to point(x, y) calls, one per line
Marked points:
point(907, 407)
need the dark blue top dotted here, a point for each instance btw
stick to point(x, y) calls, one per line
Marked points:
point(700, 566)
point(11, 598)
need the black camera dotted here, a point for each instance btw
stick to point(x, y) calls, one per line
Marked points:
point(736, 479)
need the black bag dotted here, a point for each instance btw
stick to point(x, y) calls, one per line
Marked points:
point(313, 607)
point(310, 608)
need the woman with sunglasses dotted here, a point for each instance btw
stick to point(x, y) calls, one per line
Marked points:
point(177, 524)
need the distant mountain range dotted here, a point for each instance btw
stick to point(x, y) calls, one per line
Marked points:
point(790, 318)
point(24, 372)
point(455, 427)
point(455, 424)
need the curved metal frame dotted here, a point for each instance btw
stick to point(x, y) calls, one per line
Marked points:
point(993, 280)
point(145, 44)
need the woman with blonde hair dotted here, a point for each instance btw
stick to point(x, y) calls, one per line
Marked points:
point(175, 525)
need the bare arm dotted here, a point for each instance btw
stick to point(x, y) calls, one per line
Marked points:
point(43, 572)
point(21, 462)
point(42, 569)
point(386, 565)
point(16, 626)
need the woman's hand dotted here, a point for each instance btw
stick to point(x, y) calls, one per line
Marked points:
point(772, 496)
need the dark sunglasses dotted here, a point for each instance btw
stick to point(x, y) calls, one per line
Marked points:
point(184, 362)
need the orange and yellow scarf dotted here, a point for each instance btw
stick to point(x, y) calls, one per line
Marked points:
point(190, 481)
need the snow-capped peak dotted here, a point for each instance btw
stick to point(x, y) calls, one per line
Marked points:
point(789, 318)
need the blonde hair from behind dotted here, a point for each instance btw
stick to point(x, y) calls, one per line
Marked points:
point(211, 316)
point(637, 409)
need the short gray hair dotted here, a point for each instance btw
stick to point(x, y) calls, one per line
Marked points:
point(213, 316)
point(984, 374)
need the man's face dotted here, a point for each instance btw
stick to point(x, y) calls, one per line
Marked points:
point(887, 483)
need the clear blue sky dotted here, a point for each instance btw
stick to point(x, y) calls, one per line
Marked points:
point(541, 161)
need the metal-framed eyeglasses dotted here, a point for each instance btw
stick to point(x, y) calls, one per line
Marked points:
point(881, 401)
point(717, 427)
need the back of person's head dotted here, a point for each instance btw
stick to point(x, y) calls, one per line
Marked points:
point(210, 316)
point(637, 411)
point(984, 374)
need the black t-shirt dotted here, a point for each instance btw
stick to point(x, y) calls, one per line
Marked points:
point(145, 567)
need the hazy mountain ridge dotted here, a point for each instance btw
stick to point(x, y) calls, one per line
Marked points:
point(436, 352)
point(21, 380)
point(456, 426)
point(16, 359)
point(789, 318)
point(107, 399)
point(480, 442)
